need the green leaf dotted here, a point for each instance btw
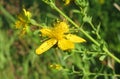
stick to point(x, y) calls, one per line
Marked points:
point(101, 58)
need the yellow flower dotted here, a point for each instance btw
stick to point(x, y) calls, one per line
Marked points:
point(101, 1)
point(58, 35)
point(67, 2)
point(56, 66)
point(23, 21)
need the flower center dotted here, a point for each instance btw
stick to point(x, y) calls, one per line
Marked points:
point(57, 35)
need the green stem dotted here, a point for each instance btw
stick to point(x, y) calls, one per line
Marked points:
point(111, 55)
point(84, 32)
point(6, 13)
point(96, 74)
point(102, 74)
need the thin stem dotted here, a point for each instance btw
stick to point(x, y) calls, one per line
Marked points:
point(111, 55)
point(84, 32)
point(100, 74)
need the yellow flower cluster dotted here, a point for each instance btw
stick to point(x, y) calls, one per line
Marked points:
point(23, 21)
point(59, 35)
point(56, 66)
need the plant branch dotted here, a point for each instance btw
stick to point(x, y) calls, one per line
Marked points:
point(84, 32)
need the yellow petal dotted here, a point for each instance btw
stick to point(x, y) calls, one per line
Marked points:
point(45, 46)
point(27, 13)
point(23, 31)
point(46, 32)
point(61, 27)
point(20, 17)
point(65, 44)
point(75, 38)
point(67, 2)
point(18, 24)
point(24, 10)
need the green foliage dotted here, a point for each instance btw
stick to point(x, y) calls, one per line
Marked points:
point(97, 21)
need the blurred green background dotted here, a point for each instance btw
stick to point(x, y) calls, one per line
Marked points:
point(17, 56)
